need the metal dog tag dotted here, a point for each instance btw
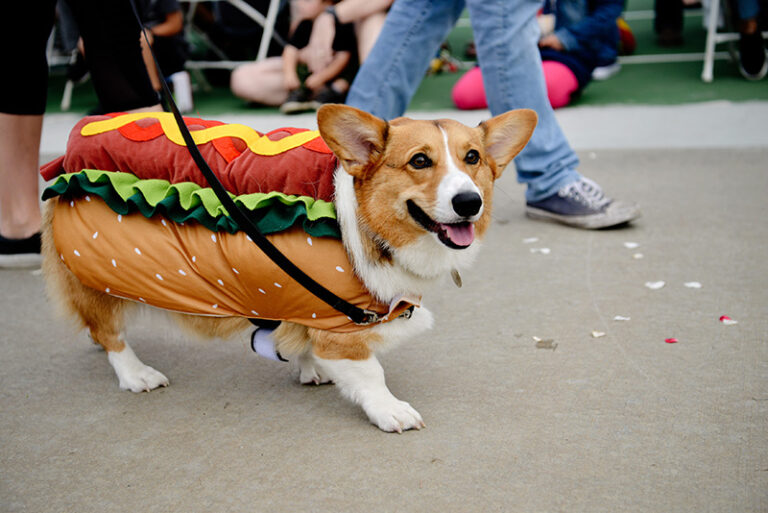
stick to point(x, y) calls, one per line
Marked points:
point(456, 277)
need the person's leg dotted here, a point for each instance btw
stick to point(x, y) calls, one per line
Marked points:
point(260, 82)
point(412, 33)
point(110, 33)
point(367, 31)
point(506, 35)
point(753, 64)
point(22, 103)
point(561, 83)
point(19, 156)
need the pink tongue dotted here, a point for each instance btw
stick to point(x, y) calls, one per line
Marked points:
point(462, 234)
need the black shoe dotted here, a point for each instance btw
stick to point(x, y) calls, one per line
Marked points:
point(752, 61)
point(19, 253)
point(582, 204)
point(329, 95)
point(299, 100)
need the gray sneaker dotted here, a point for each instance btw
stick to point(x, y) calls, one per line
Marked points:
point(583, 204)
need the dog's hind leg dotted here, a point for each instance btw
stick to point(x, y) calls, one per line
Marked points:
point(103, 315)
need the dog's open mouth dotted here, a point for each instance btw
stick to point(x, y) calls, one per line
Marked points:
point(453, 235)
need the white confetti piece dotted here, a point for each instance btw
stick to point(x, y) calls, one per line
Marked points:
point(262, 291)
point(621, 318)
point(543, 251)
point(213, 237)
point(114, 263)
point(181, 272)
point(638, 256)
point(654, 285)
point(631, 245)
point(339, 268)
point(597, 334)
point(95, 234)
point(235, 271)
point(692, 284)
point(220, 282)
point(309, 240)
point(159, 277)
point(530, 240)
point(536, 339)
point(77, 253)
point(137, 250)
point(278, 285)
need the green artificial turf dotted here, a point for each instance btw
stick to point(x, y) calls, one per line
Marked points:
point(646, 83)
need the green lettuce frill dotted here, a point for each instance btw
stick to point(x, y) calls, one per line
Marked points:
point(182, 202)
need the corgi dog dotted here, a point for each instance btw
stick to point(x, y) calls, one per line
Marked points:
point(412, 202)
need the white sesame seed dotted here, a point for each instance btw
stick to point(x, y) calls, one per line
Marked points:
point(339, 268)
point(278, 285)
point(137, 250)
point(114, 263)
point(220, 282)
point(77, 253)
point(95, 234)
point(182, 272)
point(159, 277)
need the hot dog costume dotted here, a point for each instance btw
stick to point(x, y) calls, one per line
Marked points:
point(135, 218)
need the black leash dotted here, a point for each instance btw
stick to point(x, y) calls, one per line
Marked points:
point(358, 315)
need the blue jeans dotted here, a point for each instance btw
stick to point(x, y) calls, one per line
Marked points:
point(506, 35)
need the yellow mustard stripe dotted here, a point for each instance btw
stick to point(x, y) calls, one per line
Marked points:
point(258, 144)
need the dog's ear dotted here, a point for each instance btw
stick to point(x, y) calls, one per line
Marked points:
point(356, 137)
point(507, 134)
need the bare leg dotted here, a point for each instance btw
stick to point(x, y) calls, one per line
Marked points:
point(260, 82)
point(19, 156)
point(367, 30)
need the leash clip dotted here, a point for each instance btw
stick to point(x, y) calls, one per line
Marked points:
point(370, 317)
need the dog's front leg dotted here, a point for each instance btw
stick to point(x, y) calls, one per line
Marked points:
point(362, 381)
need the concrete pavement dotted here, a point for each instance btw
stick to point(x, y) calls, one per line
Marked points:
point(526, 410)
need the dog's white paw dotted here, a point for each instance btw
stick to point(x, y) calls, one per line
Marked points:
point(393, 415)
point(309, 374)
point(143, 380)
point(132, 374)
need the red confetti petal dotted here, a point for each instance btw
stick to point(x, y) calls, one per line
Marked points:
point(724, 318)
point(670, 340)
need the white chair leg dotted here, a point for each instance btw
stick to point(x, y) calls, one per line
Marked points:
point(709, 51)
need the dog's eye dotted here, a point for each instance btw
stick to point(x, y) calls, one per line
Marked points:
point(420, 161)
point(472, 157)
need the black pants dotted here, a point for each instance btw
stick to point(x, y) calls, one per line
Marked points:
point(111, 37)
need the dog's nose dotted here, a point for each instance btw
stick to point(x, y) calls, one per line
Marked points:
point(467, 204)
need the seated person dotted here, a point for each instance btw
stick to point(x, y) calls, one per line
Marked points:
point(164, 23)
point(287, 81)
point(584, 36)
